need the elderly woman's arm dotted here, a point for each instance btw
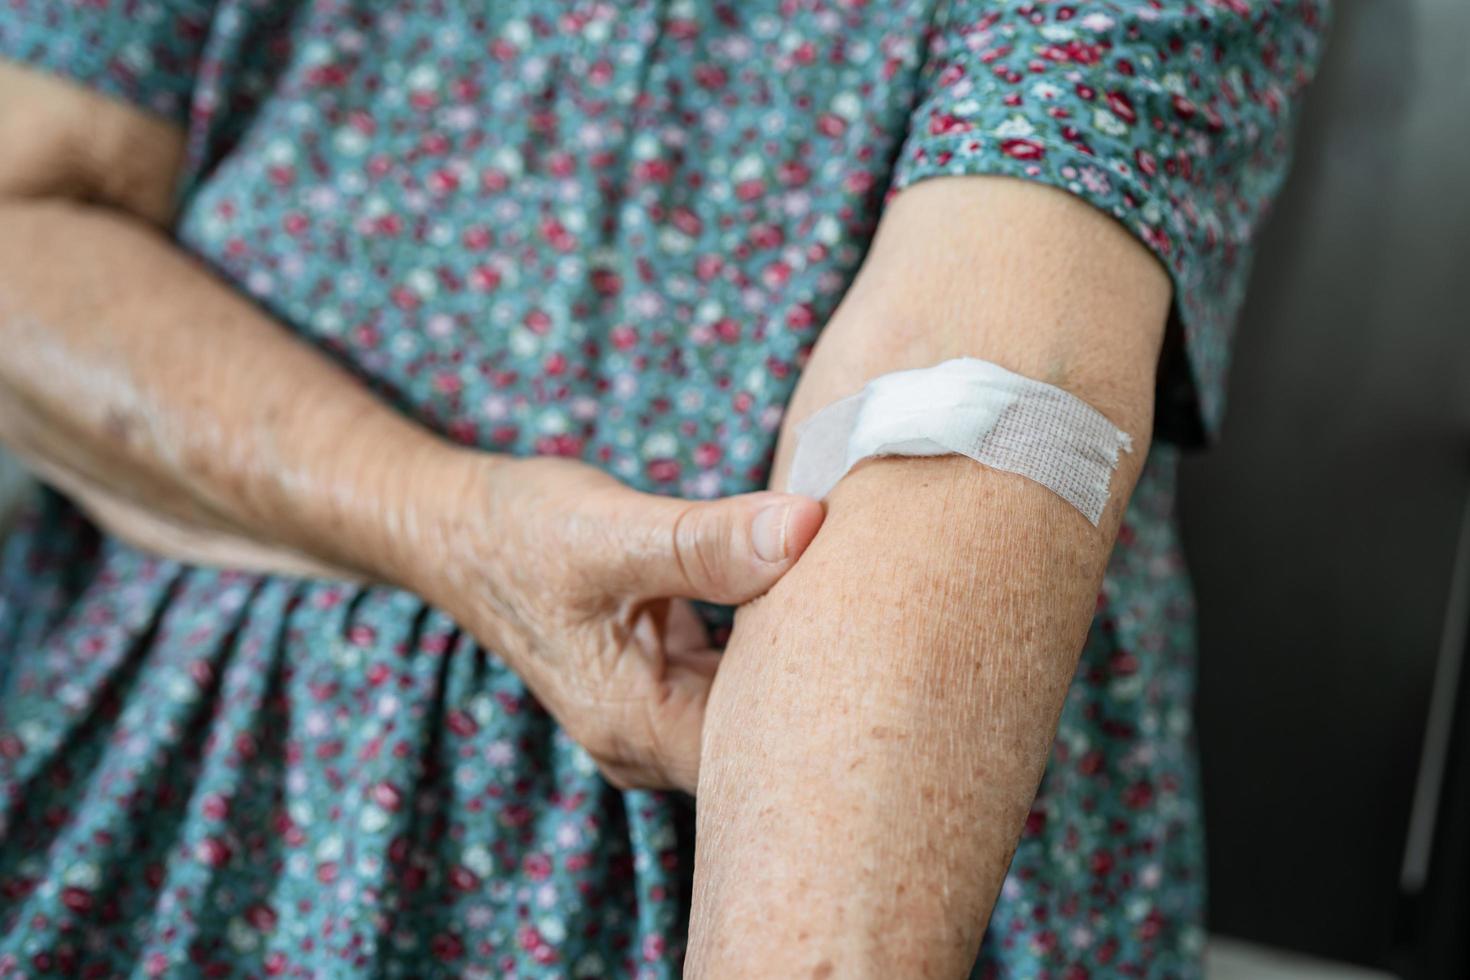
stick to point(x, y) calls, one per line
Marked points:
point(882, 717)
point(189, 422)
point(161, 400)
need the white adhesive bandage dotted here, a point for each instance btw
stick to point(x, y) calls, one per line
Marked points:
point(972, 407)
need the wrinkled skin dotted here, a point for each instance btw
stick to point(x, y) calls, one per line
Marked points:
point(583, 587)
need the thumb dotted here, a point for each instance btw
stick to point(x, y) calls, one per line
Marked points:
point(728, 550)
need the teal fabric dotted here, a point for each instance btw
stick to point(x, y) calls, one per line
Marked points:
point(613, 232)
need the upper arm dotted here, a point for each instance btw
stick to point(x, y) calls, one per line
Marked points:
point(1020, 274)
point(59, 140)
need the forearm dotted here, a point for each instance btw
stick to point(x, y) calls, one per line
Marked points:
point(132, 377)
point(881, 719)
point(898, 733)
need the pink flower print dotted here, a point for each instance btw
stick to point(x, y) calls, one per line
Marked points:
point(537, 866)
point(662, 470)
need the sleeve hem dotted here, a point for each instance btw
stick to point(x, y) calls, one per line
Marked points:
point(1184, 415)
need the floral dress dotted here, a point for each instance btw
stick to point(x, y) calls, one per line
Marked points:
point(611, 230)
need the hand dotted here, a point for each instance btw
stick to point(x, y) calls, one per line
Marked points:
point(574, 579)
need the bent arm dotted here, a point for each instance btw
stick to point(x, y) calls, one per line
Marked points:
point(167, 405)
point(882, 717)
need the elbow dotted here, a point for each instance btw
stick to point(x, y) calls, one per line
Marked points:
point(60, 142)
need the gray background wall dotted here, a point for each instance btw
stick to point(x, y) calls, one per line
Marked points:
point(1321, 531)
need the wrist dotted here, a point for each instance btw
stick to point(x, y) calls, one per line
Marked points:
point(425, 513)
point(384, 505)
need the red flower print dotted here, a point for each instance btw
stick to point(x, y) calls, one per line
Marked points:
point(943, 124)
point(767, 236)
point(710, 76)
point(562, 444)
point(215, 807)
point(78, 900)
point(606, 282)
point(463, 879)
point(793, 173)
point(623, 337)
point(776, 275)
point(557, 236)
point(800, 317)
point(750, 190)
point(212, 851)
point(261, 917)
point(461, 724)
point(11, 747)
point(1122, 107)
point(1023, 149)
point(686, 221)
point(484, 278)
point(477, 238)
point(1156, 238)
point(653, 171)
point(387, 796)
point(1139, 795)
point(831, 124)
point(446, 946)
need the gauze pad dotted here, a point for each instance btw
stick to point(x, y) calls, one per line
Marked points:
point(972, 407)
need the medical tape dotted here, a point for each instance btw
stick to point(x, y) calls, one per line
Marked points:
point(972, 407)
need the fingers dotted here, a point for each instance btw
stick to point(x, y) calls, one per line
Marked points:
point(665, 755)
point(728, 550)
point(684, 631)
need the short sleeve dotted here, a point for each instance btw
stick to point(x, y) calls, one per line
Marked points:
point(1174, 117)
point(145, 52)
